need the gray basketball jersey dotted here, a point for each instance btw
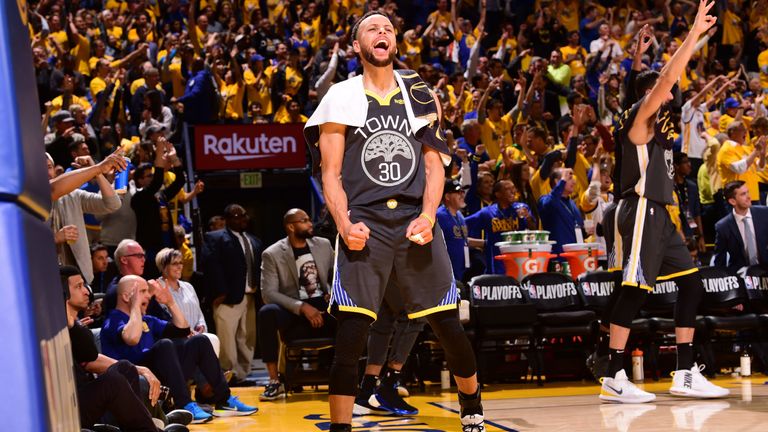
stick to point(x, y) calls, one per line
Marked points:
point(383, 159)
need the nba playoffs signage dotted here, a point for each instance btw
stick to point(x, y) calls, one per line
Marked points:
point(234, 147)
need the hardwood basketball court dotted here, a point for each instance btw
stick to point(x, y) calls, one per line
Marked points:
point(559, 406)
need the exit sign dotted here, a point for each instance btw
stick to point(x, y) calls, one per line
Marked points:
point(250, 180)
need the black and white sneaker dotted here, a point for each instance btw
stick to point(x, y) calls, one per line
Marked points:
point(473, 423)
point(273, 391)
point(363, 405)
point(179, 416)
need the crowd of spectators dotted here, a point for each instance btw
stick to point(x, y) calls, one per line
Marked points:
point(531, 92)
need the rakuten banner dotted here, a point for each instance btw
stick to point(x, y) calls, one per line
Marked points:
point(224, 147)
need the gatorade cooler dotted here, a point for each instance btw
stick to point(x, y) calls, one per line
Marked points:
point(581, 257)
point(521, 260)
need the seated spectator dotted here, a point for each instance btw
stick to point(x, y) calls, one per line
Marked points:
point(187, 257)
point(294, 285)
point(559, 214)
point(130, 334)
point(503, 215)
point(742, 236)
point(115, 389)
point(169, 262)
point(130, 259)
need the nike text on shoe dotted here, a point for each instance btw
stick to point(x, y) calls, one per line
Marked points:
point(691, 383)
point(198, 415)
point(620, 390)
point(273, 391)
point(233, 407)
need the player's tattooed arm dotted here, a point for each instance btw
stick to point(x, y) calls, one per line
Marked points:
point(332, 156)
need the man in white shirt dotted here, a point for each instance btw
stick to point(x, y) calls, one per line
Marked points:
point(742, 236)
point(598, 44)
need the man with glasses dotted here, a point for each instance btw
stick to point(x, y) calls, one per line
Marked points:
point(294, 284)
point(231, 260)
point(130, 259)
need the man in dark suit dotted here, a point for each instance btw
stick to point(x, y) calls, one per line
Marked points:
point(742, 236)
point(232, 259)
point(294, 284)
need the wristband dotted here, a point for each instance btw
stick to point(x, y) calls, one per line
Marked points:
point(431, 221)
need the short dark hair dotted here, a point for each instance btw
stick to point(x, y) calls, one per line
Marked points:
point(230, 208)
point(538, 133)
point(555, 176)
point(497, 186)
point(645, 80)
point(356, 27)
point(65, 272)
point(97, 247)
point(678, 157)
point(141, 169)
point(730, 188)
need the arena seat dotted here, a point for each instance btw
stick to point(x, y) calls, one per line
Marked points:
point(726, 312)
point(500, 311)
point(307, 360)
point(561, 315)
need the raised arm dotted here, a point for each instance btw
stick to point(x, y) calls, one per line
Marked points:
point(481, 24)
point(661, 92)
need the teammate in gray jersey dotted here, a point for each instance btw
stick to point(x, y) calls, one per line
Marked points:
point(646, 243)
point(382, 177)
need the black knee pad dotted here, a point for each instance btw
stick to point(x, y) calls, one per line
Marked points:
point(605, 316)
point(629, 301)
point(690, 292)
point(351, 337)
point(458, 350)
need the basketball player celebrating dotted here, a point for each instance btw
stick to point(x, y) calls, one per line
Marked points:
point(382, 155)
point(646, 244)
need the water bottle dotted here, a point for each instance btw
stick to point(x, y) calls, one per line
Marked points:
point(638, 372)
point(445, 377)
point(746, 364)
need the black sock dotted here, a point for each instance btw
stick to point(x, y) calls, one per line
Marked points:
point(341, 427)
point(368, 384)
point(615, 361)
point(602, 346)
point(471, 404)
point(684, 356)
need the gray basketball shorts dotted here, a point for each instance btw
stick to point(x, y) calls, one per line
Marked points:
point(422, 273)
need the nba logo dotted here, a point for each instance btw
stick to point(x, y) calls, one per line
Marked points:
point(477, 292)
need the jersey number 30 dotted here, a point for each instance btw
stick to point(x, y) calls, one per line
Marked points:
point(390, 171)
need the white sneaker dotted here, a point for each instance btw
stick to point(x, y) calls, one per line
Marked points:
point(473, 423)
point(620, 390)
point(691, 383)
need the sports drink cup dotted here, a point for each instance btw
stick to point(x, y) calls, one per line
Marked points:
point(121, 178)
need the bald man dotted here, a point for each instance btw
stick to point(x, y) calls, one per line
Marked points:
point(166, 348)
point(294, 284)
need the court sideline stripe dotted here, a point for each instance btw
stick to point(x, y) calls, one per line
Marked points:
point(494, 424)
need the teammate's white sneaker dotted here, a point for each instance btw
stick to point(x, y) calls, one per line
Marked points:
point(620, 390)
point(691, 383)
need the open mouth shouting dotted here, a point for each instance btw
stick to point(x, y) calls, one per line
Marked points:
point(381, 47)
